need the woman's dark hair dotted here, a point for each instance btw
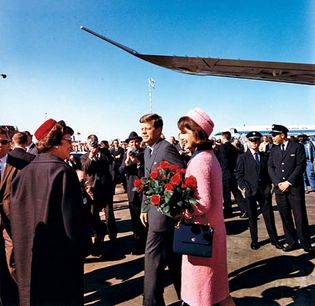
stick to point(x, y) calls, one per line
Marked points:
point(199, 134)
point(54, 137)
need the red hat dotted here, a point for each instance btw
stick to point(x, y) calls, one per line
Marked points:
point(202, 119)
point(44, 129)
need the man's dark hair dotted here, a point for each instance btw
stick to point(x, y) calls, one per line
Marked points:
point(157, 120)
point(227, 135)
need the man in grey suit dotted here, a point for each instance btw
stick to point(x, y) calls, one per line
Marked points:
point(158, 251)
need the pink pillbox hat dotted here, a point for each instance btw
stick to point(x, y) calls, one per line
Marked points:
point(202, 119)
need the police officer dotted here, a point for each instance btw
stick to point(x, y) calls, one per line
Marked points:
point(253, 179)
point(286, 166)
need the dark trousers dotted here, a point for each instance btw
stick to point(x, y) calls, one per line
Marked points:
point(293, 202)
point(8, 287)
point(108, 209)
point(139, 231)
point(230, 185)
point(159, 254)
point(265, 204)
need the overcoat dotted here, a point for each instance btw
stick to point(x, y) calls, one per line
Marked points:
point(50, 233)
point(205, 280)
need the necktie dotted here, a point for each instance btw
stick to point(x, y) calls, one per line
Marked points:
point(257, 158)
point(0, 169)
point(282, 149)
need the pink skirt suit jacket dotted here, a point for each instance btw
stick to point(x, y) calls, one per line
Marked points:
point(205, 280)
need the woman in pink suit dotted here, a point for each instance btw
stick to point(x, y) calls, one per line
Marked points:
point(205, 280)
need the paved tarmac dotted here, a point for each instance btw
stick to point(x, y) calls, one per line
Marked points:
point(266, 276)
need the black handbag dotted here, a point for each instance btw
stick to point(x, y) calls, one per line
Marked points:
point(193, 239)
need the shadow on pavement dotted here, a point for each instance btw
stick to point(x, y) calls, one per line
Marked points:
point(272, 269)
point(104, 293)
point(235, 227)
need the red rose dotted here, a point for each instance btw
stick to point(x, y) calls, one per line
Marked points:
point(191, 182)
point(174, 168)
point(164, 164)
point(155, 199)
point(169, 187)
point(140, 188)
point(154, 175)
point(183, 171)
point(176, 179)
point(137, 182)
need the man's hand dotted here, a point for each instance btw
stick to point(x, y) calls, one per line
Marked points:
point(144, 218)
point(283, 186)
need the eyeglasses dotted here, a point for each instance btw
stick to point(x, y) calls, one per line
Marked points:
point(4, 142)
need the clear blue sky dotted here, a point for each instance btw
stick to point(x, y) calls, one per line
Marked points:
point(57, 70)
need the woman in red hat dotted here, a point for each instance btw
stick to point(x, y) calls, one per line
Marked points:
point(50, 235)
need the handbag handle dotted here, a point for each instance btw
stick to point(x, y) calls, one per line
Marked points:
point(191, 221)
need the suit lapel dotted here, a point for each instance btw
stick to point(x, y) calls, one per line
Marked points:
point(252, 160)
point(151, 158)
point(7, 171)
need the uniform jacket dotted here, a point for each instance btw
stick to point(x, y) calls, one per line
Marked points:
point(252, 176)
point(50, 233)
point(287, 166)
point(163, 150)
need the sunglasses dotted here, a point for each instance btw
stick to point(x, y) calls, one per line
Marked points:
point(275, 134)
point(254, 140)
point(4, 142)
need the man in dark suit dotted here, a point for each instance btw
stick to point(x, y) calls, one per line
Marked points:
point(18, 156)
point(30, 146)
point(159, 251)
point(133, 168)
point(253, 179)
point(227, 157)
point(286, 166)
point(96, 165)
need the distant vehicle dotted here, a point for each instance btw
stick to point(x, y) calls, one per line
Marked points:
point(77, 154)
point(11, 130)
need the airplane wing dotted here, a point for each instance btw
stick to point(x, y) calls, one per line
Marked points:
point(256, 70)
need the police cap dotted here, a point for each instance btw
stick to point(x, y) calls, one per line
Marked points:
point(253, 136)
point(278, 129)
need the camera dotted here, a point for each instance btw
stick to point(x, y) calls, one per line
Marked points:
point(135, 153)
point(94, 144)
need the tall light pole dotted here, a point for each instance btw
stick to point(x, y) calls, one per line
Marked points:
point(151, 83)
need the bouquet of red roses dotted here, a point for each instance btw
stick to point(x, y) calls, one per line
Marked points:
point(168, 189)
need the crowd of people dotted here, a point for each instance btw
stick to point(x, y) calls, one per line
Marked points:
point(51, 200)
